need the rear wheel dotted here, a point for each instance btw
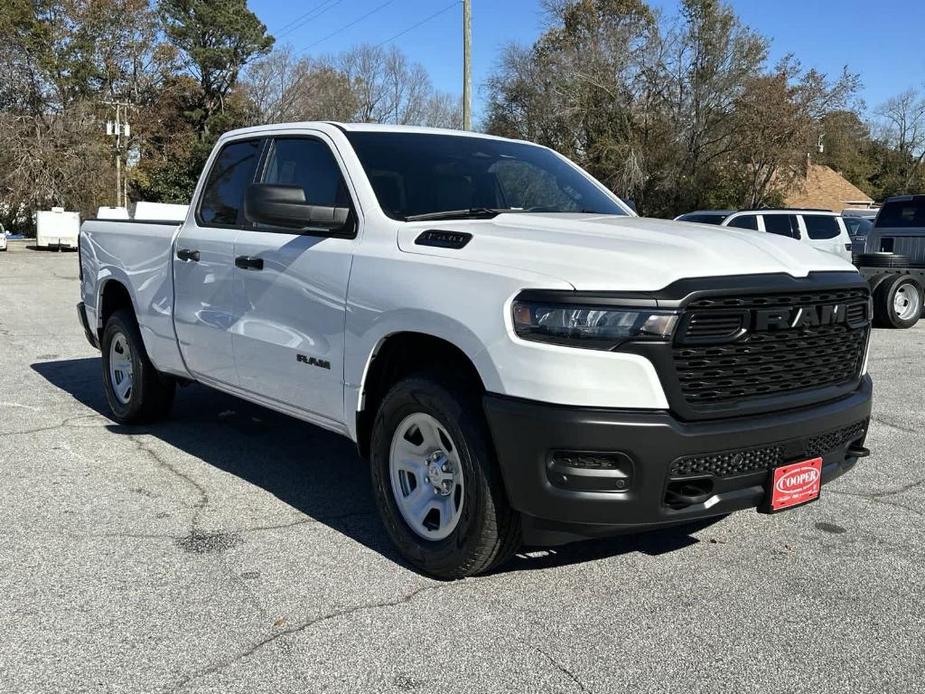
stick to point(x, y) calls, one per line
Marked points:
point(898, 302)
point(436, 482)
point(135, 390)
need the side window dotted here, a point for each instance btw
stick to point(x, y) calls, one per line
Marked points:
point(748, 221)
point(309, 164)
point(232, 171)
point(821, 227)
point(782, 224)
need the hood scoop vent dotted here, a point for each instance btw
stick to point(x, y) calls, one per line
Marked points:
point(443, 239)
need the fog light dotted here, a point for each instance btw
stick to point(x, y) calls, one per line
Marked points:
point(590, 471)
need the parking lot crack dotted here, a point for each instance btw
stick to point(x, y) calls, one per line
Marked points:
point(306, 625)
point(129, 536)
point(905, 488)
point(561, 668)
point(892, 425)
point(35, 430)
point(68, 421)
point(881, 499)
point(202, 494)
point(307, 521)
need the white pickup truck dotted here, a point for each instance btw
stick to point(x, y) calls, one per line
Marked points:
point(519, 356)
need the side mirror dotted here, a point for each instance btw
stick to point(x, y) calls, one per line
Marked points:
point(285, 206)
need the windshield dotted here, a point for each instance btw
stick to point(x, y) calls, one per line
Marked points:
point(415, 174)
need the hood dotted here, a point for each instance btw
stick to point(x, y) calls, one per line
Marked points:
point(606, 252)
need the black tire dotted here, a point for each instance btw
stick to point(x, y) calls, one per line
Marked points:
point(151, 394)
point(488, 530)
point(885, 313)
point(881, 259)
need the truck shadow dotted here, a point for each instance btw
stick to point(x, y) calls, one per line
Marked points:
point(315, 472)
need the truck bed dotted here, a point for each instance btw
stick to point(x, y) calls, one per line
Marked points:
point(139, 255)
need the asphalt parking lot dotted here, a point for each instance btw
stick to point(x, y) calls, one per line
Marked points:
point(231, 549)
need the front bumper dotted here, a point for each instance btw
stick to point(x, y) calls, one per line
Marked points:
point(653, 456)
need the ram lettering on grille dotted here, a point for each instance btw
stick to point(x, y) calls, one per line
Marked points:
point(723, 356)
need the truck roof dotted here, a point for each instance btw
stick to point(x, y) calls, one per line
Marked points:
point(361, 127)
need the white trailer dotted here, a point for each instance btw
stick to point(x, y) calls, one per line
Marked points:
point(160, 212)
point(56, 228)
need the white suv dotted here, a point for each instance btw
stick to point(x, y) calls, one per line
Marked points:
point(822, 229)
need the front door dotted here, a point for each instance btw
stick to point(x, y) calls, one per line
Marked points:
point(205, 311)
point(291, 288)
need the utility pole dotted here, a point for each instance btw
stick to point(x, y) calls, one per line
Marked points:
point(118, 129)
point(467, 64)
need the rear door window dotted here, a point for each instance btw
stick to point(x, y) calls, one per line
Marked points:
point(748, 221)
point(820, 227)
point(782, 224)
point(232, 172)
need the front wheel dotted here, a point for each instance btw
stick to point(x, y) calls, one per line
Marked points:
point(436, 482)
point(898, 302)
point(135, 390)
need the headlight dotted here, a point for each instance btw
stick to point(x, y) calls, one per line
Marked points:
point(588, 326)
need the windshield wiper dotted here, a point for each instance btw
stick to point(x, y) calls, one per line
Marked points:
point(470, 213)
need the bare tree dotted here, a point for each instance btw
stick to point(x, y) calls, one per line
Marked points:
point(388, 87)
point(902, 126)
point(366, 84)
point(283, 87)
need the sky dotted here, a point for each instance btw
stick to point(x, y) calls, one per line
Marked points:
point(881, 41)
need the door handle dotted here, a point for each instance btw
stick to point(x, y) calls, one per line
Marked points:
point(187, 254)
point(248, 262)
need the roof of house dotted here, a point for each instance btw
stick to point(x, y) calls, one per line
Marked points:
point(825, 188)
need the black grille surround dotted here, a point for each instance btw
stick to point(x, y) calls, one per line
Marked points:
point(744, 461)
point(758, 361)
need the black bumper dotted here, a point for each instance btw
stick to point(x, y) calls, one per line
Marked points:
point(90, 335)
point(581, 472)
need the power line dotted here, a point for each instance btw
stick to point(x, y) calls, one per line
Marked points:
point(304, 14)
point(347, 26)
point(423, 21)
point(306, 17)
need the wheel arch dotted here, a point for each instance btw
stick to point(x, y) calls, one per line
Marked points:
point(114, 294)
point(400, 354)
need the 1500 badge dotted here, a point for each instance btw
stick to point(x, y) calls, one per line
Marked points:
point(313, 361)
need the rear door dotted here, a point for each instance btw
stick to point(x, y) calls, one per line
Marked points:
point(291, 288)
point(826, 233)
point(205, 313)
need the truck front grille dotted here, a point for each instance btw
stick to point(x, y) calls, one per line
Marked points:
point(724, 355)
point(761, 458)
